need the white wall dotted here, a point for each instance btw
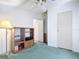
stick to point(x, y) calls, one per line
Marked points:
point(19, 18)
point(52, 28)
point(52, 22)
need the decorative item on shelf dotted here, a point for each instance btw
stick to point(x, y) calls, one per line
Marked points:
point(16, 48)
point(6, 25)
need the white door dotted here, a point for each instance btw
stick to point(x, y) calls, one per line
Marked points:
point(38, 30)
point(2, 41)
point(64, 30)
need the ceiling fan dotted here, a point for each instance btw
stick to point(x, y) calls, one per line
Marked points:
point(40, 3)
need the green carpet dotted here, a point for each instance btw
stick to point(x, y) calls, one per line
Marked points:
point(41, 51)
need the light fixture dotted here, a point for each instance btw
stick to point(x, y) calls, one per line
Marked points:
point(41, 4)
point(6, 25)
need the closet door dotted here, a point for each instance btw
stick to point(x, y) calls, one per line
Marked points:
point(64, 30)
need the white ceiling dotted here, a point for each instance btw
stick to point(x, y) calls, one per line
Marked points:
point(11, 2)
point(32, 7)
point(27, 5)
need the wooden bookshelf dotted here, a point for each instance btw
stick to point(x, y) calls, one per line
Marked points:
point(22, 38)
